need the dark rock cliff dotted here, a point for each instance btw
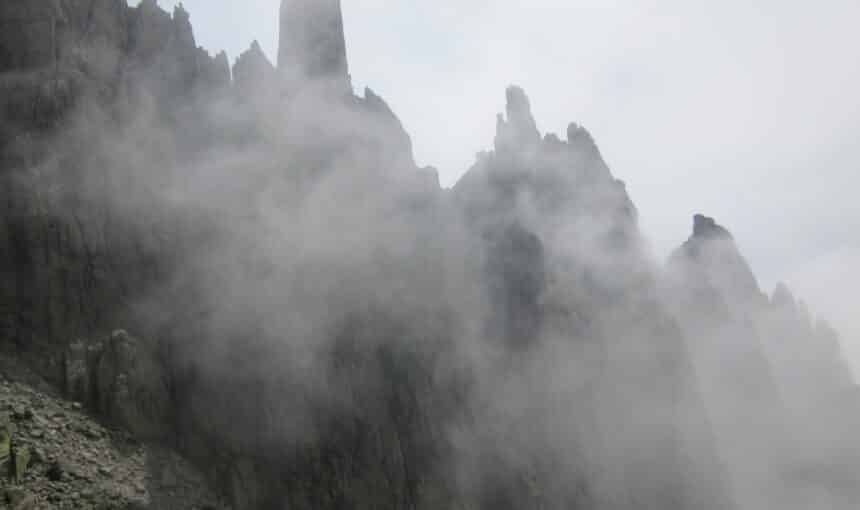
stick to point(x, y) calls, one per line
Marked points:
point(317, 324)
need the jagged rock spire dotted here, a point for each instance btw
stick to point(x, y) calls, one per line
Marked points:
point(705, 227)
point(782, 296)
point(252, 71)
point(713, 252)
point(518, 131)
point(312, 42)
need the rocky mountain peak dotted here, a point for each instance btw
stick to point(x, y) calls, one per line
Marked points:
point(579, 137)
point(182, 26)
point(782, 296)
point(518, 129)
point(705, 227)
point(519, 109)
point(180, 14)
point(252, 69)
point(312, 46)
point(714, 257)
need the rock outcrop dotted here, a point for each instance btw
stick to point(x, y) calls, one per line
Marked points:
point(123, 380)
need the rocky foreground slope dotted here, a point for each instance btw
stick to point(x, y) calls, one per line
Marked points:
point(315, 324)
point(53, 455)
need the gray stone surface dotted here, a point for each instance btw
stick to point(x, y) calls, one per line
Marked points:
point(74, 462)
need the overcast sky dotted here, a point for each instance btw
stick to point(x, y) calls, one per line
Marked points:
point(747, 111)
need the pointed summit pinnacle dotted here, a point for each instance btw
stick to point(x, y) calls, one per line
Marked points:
point(519, 131)
point(312, 42)
point(705, 227)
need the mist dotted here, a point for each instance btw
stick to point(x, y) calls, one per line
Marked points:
point(735, 113)
point(341, 326)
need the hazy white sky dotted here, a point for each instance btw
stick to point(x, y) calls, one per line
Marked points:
point(743, 110)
